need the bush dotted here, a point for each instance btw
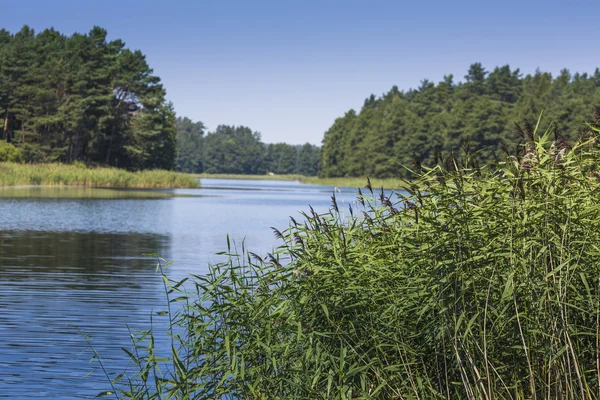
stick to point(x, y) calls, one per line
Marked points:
point(476, 284)
point(10, 153)
point(79, 164)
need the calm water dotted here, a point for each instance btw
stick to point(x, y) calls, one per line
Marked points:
point(71, 260)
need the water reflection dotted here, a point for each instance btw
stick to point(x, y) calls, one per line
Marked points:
point(79, 192)
point(72, 258)
point(56, 283)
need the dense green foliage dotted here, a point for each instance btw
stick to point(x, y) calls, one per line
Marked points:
point(54, 174)
point(239, 150)
point(84, 98)
point(390, 131)
point(474, 284)
point(190, 152)
point(283, 158)
point(233, 150)
point(10, 153)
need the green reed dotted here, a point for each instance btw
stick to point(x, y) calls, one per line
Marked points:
point(478, 284)
point(12, 174)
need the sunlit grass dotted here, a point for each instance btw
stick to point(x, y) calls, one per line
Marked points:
point(12, 174)
point(355, 182)
point(251, 177)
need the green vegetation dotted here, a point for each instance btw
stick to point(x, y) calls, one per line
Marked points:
point(10, 153)
point(252, 177)
point(480, 283)
point(83, 98)
point(386, 183)
point(239, 151)
point(12, 174)
point(392, 131)
point(433, 121)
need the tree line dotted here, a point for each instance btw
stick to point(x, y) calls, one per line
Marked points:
point(239, 150)
point(83, 97)
point(436, 120)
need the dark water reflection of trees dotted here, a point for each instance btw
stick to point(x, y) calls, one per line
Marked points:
point(57, 283)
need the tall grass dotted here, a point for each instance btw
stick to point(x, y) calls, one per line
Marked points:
point(12, 174)
point(479, 284)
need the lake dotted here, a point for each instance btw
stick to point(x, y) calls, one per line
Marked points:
point(72, 260)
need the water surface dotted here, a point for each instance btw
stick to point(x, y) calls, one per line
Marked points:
point(71, 259)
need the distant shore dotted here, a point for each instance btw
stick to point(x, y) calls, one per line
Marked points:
point(13, 174)
point(353, 182)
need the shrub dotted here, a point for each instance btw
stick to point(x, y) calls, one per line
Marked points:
point(79, 164)
point(475, 284)
point(10, 153)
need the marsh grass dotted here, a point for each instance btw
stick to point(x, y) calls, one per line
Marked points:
point(478, 284)
point(12, 174)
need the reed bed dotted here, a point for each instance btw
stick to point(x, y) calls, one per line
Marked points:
point(12, 174)
point(478, 284)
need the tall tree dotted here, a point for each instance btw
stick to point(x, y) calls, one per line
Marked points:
point(189, 145)
point(333, 155)
point(308, 160)
point(234, 150)
point(83, 98)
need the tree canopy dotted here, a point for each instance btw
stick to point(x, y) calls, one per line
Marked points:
point(86, 98)
point(239, 150)
point(82, 97)
point(397, 128)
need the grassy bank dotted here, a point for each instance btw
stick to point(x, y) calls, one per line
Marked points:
point(251, 177)
point(355, 182)
point(12, 174)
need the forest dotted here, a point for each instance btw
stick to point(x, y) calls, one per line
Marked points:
point(239, 150)
point(83, 98)
point(86, 98)
point(430, 123)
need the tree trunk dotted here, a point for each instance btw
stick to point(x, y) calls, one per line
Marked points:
point(6, 126)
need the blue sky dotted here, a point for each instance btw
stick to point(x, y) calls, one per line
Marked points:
point(288, 68)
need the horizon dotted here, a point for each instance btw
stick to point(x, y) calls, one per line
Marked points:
point(288, 71)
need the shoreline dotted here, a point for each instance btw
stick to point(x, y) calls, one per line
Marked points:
point(352, 182)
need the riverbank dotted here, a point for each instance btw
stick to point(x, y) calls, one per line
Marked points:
point(388, 183)
point(473, 286)
point(55, 174)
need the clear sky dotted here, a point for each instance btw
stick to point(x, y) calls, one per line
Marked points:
point(288, 68)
